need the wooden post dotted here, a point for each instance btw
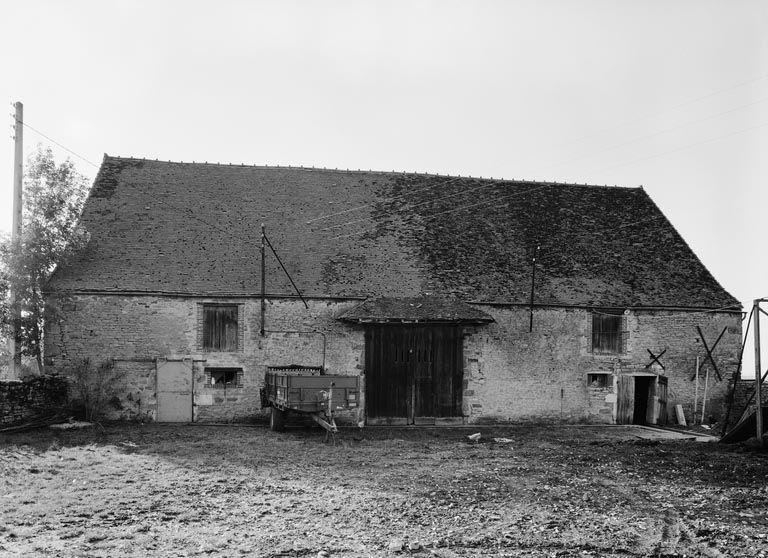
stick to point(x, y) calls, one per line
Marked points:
point(263, 277)
point(704, 400)
point(18, 177)
point(533, 285)
point(758, 374)
point(696, 392)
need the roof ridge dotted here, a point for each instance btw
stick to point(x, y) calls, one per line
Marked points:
point(371, 171)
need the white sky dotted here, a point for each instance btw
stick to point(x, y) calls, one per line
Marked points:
point(672, 95)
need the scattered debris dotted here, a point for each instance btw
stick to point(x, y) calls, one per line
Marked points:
point(31, 425)
point(72, 424)
point(564, 491)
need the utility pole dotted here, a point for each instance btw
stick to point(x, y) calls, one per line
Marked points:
point(758, 374)
point(18, 174)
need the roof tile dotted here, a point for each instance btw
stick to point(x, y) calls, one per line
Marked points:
point(195, 228)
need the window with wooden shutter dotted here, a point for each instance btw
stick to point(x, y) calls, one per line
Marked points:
point(220, 327)
point(608, 333)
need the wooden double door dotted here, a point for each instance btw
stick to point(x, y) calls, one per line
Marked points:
point(414, 373)
point(641, 400)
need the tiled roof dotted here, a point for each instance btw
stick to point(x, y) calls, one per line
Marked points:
point(195, 228)
point(415, 309)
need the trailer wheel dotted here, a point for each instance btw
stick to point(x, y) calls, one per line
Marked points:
point(277, 420)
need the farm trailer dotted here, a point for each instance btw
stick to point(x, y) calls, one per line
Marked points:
point(309, 392)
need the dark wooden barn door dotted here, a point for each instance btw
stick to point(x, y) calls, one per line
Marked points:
point(413, 373)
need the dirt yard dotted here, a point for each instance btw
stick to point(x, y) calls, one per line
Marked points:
point(129, 490)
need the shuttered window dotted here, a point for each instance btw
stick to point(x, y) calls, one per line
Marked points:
point(220, 327)
point(607, 333)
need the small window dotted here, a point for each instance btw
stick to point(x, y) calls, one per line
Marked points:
point(599, 381)
point(607, 335)
point(223, 378)
point(220, 327)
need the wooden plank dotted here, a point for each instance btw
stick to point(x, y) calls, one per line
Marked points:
point(662, 397)
point(625, 399)
point(680, 415)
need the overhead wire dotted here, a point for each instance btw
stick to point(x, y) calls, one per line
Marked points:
point(660, 132)
point(459, 208)
point(684, 147)
point(65, 148)
point(634, 140)
point(664, 111)
point(329, 215)
point(419, 204)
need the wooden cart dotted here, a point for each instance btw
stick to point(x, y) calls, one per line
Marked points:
point(307, 391)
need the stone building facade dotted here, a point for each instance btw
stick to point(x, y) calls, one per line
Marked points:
point(410, 283)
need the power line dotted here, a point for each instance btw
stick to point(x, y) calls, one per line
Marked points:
point(673, 128)
point(419, 204)
point(60, 145)
point(459, 208)
point(683, 148)
point(369, 204)
point(634, 140)
point(670, 109)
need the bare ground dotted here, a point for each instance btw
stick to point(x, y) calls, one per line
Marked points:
point(154, 490)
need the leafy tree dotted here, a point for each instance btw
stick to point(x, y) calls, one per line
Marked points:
point(53, 199)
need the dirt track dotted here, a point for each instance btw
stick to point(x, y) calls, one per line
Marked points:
point(244, 491)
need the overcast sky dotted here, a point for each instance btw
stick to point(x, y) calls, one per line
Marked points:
point(671, 95)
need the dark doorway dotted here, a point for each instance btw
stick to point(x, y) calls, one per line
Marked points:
point(413, 373)
point(635, 399)
point(642, 391)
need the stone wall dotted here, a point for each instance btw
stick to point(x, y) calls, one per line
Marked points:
point(510, 374)
point(513, 374)
point(744, 397)
point(135, 331)
point(32, 398)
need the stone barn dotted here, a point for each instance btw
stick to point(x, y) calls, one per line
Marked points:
point(456, 300)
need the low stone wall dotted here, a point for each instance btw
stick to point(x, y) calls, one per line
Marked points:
point(745, 390)
point(31, 398)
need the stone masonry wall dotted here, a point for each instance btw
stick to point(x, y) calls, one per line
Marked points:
point(744, 398)
point(31, 398)
point(509, 373)
point(134, 331)
point(512, 374)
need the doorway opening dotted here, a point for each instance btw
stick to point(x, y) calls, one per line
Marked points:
point(642, 392)
point(641, 399)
